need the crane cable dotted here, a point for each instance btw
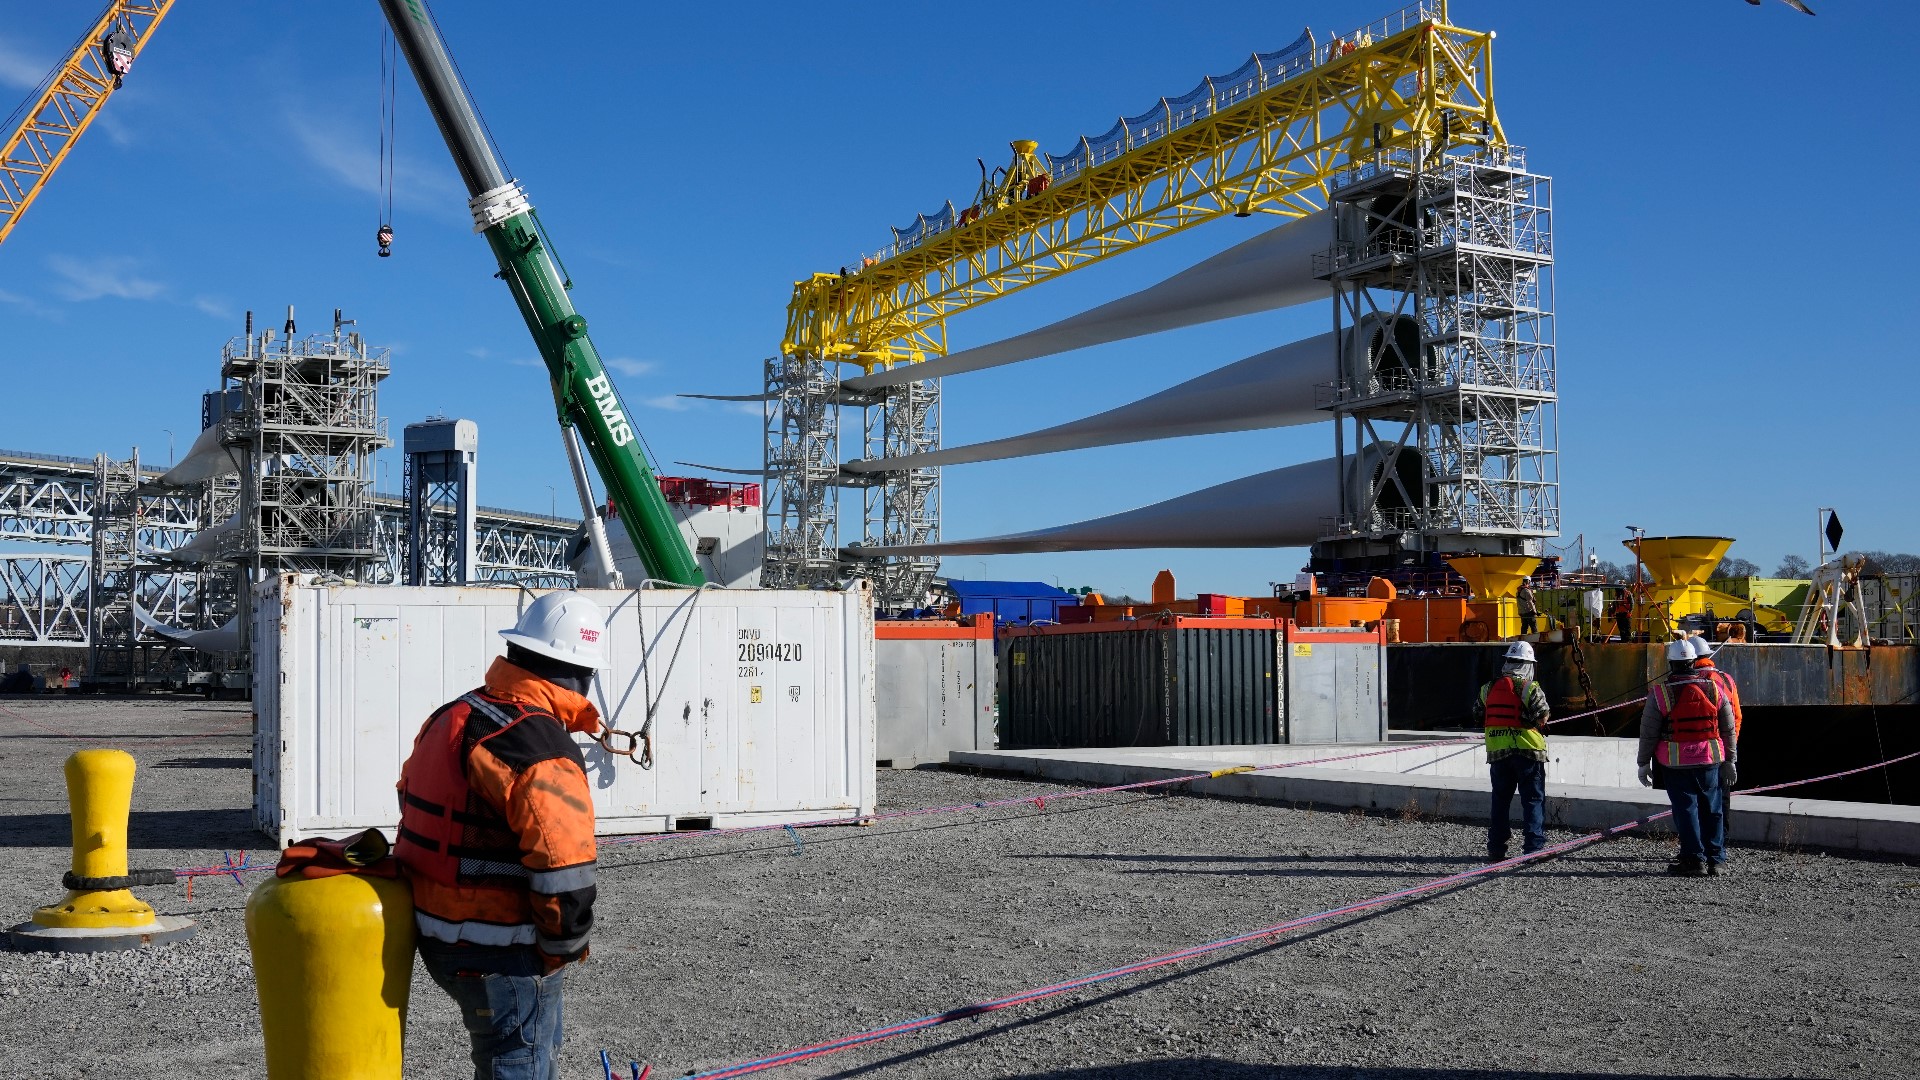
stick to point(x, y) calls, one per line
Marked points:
point(389, 108)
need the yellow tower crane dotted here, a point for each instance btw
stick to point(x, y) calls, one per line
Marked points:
point(53, 120)
point(1409, 82)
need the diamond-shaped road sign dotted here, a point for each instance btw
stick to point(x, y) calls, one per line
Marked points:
point(1834, 532)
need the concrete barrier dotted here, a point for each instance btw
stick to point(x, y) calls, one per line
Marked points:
point(1591, 784)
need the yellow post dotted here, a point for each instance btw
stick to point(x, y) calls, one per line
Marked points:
point(332, 963)
point(99, 796)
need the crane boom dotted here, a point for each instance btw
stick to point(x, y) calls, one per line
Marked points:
point(62, 109)
point(582, 389)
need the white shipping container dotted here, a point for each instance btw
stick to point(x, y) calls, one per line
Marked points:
point(763, 700)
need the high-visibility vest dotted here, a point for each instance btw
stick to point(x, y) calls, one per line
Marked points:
point(1691, 708)
point(1728, 687)
point(436, 811)
point(1503, 701)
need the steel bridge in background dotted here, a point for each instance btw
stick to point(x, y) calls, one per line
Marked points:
point(47, 499)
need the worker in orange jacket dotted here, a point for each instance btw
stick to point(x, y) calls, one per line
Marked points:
point(496, 837)
point(1703, 651)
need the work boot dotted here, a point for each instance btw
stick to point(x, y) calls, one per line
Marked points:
point(1687, 866)
point(1496, 856)
point(1716, 869)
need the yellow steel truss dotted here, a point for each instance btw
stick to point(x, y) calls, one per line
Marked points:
point(1428, 87)
point(55, 120)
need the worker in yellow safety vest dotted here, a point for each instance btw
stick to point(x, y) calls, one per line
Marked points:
point(1513, 710)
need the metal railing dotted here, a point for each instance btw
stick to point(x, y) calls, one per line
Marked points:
point(1223, 92)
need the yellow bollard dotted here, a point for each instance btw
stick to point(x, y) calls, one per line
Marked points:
point(99, 913)
point(100, 796)
point(332, 963)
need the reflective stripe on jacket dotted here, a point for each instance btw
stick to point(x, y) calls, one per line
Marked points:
point(1511, 712)
point(1690, 730)
point(496, 817)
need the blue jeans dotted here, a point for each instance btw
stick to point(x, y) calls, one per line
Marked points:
point(1529, 777)
point(512, 1010)
point(1695, 795)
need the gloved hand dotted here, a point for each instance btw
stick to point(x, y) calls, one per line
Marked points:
point(1646, 774)
point(1729, 774)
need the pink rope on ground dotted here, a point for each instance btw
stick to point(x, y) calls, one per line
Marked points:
point(816, 1050)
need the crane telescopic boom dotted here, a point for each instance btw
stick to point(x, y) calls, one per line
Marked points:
point(582, 390)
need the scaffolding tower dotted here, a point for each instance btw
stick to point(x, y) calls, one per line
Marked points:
point(1464, 245)
point(306, 440)
point(802, 472)
point(112, 629)
point(903, 505)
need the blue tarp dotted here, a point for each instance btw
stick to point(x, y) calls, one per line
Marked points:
point(1012, 601)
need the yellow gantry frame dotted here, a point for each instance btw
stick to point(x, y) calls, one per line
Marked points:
point(1429, 87)
point(66, 105)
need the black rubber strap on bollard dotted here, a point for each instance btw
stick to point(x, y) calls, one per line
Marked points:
point(132, 879)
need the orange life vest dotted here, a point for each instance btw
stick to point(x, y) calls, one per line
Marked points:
point(1691, 707)
point(436, 807)
point(1503, 704)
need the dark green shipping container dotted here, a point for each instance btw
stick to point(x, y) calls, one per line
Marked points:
point(1145, 685)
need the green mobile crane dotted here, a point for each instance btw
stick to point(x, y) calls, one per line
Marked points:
point(582, 390)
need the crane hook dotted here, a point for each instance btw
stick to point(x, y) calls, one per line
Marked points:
point(385, 239)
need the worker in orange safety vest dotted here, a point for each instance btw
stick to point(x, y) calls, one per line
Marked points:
point(1686, 736)
point(497, 836)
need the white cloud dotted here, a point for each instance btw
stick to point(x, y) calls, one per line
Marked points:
point(669, 402)
point(350, 155)
point(479, 353)
point(28, 305)
point(19, 71)
point(92, 279)
point(214, 306)
point(636, 368)
point(521, 361)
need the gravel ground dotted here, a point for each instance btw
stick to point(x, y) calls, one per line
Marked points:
point(713, 950)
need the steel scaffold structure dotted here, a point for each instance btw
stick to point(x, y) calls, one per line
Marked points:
point(1266, 142)
point(1465, 245)
point(47, 499)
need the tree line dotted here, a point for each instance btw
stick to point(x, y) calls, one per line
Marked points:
point(1792, 566)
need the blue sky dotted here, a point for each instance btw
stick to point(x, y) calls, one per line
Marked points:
point(1728, 185)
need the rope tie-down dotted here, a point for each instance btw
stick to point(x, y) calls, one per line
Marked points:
point(230, 868)
point(834, 1046)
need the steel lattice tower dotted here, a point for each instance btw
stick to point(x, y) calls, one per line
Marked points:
point(1464, 245)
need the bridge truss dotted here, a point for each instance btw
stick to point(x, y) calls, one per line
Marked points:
point(47, 503)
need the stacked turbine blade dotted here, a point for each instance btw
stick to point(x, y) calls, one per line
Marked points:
point(1271, 271)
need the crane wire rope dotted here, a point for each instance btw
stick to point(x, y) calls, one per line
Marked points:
point(389, 148)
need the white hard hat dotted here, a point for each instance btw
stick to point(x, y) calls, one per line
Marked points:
point(563, 626)
point(1520, 651)
point(1680, 650)
point(1701, 646)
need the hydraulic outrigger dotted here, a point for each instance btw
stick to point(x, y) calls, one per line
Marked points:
point(582, 390)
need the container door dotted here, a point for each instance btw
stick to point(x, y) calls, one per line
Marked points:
point(1357, 669)
point(1313, 692)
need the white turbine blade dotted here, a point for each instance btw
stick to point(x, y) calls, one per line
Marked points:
point(1268, 390)
point(1270, 271)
